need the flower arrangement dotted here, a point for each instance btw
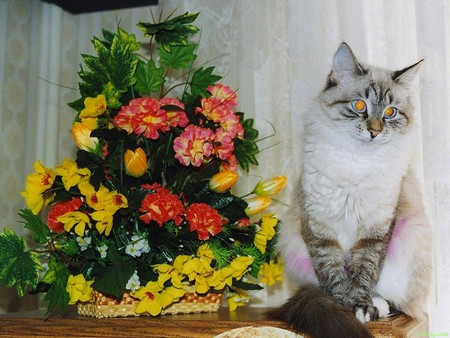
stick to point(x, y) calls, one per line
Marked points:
point(146, 207)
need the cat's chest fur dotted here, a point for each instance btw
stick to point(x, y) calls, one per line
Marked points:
point(350, 192)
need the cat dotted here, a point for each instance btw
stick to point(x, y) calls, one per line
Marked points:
point(361, 246)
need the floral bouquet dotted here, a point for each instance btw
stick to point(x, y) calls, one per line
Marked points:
point(146, 208)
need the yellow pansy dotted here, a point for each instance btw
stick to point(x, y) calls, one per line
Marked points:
point(202, 284)
point(40, 181)
point(168, 272)
point(237, 299)
point(221, 278)
point(79, 289)
point(266, 233)
point(36, 202)
point(115, 201)
point(104, 221)
point(77, 220)
point(72, 175)
point(196, 266)
point(93, 106)
point(239, 265)
point(154, 298)
point(271, 272)
point(204, 252)
point(179, 262)
point(96, 199)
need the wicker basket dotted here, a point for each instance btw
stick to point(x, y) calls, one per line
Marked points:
point(102, 306)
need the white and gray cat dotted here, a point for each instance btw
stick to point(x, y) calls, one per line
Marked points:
point(361, 243)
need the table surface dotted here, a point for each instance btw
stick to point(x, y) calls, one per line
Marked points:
point(34, 324)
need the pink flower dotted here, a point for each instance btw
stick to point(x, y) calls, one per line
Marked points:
point(175, 118)
point(223, 94)
point(205, 220)
point(193, 145)
point(233, 126)
point(127, 117)
point(214, 110)
point(223, 144)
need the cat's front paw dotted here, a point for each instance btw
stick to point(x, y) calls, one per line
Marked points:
point(366, 312)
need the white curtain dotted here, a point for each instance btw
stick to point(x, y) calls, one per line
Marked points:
point(275, 53)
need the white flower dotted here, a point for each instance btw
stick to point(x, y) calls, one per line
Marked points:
point(102, 250)
point(137, 246)
point(133, 283)
point(84, 242)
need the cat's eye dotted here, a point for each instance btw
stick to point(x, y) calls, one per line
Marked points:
point(359, 106)
point(390, 112)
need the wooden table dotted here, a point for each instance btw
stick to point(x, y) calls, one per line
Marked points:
point(34, 324)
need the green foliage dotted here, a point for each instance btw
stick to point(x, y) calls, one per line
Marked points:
point(171, 32)
point(177, 56)
point(40, 230)
point(19, 265)
point(57, 296)
point(149, 78)
point(202, 78)
point(246, 150)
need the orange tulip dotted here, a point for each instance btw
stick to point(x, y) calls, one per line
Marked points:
point(270, 186)
point(257, 204)
point(82, 135)
point(223, 180)
point(135, 162)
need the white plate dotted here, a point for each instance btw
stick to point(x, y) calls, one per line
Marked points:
point(258, 331)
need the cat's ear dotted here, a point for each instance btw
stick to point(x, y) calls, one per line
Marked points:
point(345, 65)
point(406, 75)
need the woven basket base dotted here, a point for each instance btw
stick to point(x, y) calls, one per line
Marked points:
point(104, 307)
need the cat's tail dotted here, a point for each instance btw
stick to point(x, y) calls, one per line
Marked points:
point(313, 312)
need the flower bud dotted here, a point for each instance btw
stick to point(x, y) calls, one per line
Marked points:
point(82, 136)
point(257, 204)
point(223, 180)
point(270, 186)
point(135, 162)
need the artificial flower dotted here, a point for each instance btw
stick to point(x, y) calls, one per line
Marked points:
point(41, 180)
point(193, 146)
point(94, 106)
point(223, 180)
point(257, 204)
point(134, 282)
point(79, 289)
point(270, 186)
point(71, 175)
point(60, 209)
point(237, 299)
point(271, 272)
point(102, 250)
point(137, 246)
point(75, 220)
point(266, 232)
point(161, 207)
point(82, 136)
point(135, 162)
point(204, 219)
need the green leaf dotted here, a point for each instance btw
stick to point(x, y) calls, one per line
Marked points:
point(171, 32)
point(246, 286)
point(177, 56)
point(202, 78)
point(113, 279)
point(149, 78)
point(40, 230)
point(57, 295)
point(19, 265)
point(246, 150)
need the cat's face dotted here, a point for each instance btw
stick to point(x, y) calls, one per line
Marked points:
point(367, 103)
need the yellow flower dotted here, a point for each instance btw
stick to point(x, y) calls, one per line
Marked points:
point(271, 272)
point(168, 272)
point(239, 265)
point(257, 204)
point(40, 181)
point(179, 262)
point(104, 221)
point(115, 201)
point(202, 283)
point(204, 252)
point(266, 233)
point(237, 299)
point(72, 175)
point(82, 136)
point(79, 289)
point(36, 202)
point(135, 162)
point(221, 278)
point(154, 298)
point(76, 219)
point(223, 180)
point(270, 186)
point(196, 266)
point(94, 106)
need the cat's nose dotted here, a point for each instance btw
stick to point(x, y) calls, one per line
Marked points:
point(374, 133)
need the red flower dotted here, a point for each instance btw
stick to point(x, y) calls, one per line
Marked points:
point(60, 209)
point(161, 207)
point(204, 219)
